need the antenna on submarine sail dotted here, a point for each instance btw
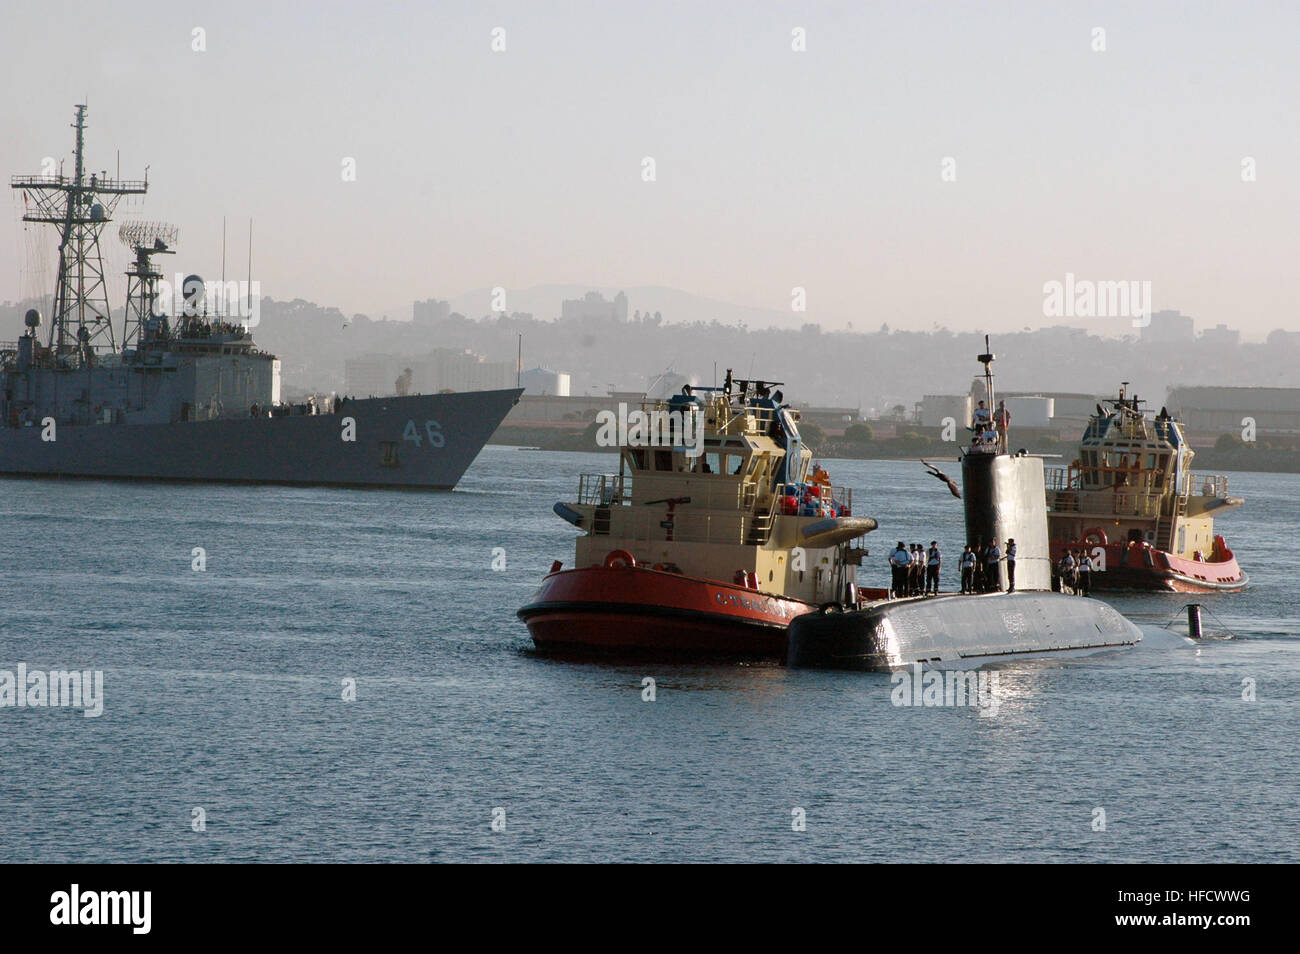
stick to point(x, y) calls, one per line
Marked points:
point(986, 359)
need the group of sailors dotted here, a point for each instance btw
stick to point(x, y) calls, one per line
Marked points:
point(1074, 571)
point(309, 408)
point(979, 567)
point(990, 428)
point(914, 569)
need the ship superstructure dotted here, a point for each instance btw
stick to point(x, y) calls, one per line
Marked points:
point(183, 392)
point(1131, 500)
point(709, 540)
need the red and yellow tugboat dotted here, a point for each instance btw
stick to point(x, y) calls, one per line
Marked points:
point(1131, 501)
point(716, 532)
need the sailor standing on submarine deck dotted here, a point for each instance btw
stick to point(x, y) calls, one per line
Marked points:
point(992, 578)
point(968, 570)
point(1069, 571)
point(1002, 423)
point(1011, 565)
point(933, 560)
point(899, 561)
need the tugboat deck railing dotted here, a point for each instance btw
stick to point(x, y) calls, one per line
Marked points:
point(1205, 485)
point(1065, 491)
point(721, 492)
point(730, 511)
point(1106, 503)
point(646, 525)
point(843, 496)
point(1060, 478)
point(604, 490)
point(718, 416)
point(716, 492)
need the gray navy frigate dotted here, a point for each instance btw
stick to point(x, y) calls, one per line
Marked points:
point(188, 395)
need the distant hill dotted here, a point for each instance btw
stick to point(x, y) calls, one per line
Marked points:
point(697, 337)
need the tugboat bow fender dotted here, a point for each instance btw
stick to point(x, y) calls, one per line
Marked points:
point(1222, 503)
point(833, 530)
point(568, 513)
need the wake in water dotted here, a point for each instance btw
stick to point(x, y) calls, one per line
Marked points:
point(1157, 637)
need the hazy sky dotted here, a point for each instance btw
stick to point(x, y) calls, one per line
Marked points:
point(775, 168)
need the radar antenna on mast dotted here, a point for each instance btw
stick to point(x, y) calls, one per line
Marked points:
point(145, 239)
point(79, 206)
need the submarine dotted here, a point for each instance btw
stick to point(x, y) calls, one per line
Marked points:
point(1003, 497)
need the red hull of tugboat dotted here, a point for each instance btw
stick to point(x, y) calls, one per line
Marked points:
point(640, 609)
point(1146, 568)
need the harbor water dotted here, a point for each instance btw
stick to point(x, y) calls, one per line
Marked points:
point(316, 674)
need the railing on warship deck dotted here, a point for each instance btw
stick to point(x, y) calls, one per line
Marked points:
point(101, 183)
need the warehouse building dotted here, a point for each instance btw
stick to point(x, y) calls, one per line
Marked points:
point(1221, 410)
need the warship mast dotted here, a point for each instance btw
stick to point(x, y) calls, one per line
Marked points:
point(145, 239)
point(80, 207)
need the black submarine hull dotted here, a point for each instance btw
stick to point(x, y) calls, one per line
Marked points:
point(957, 631)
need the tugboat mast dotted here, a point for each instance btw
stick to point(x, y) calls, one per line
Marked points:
point(79, 208)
